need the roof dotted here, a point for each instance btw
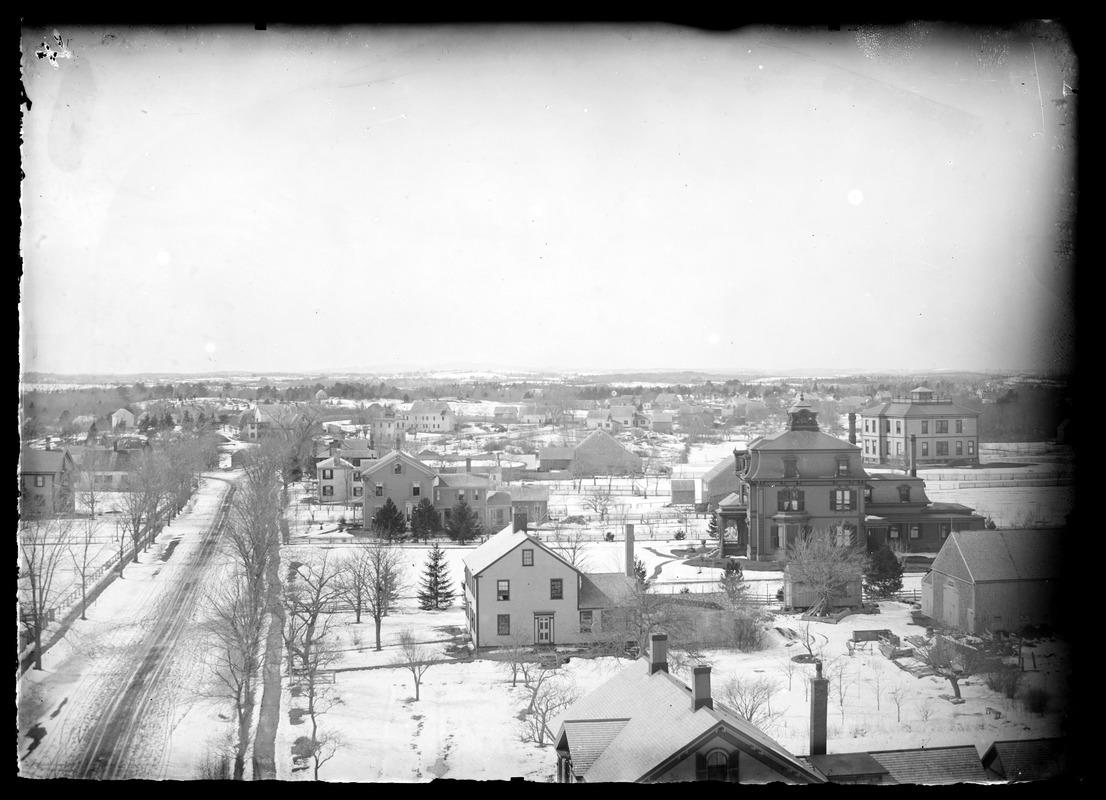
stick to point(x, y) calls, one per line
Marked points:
point(500, 545)
point(333, 462)
point(1003, 555)
point(1027, 759)
point(556, 454)
point(732, 499)
point(429, 407)
point(396, 455)
point(599, 413)
point(661, 416)
point(801, 440)
point(959, 764)
point(846, 765)
point(523, 494)
point(464, 480)
point(929, 408)
point(633, 723)
point(603, 589)
point(725, 465)
point(42, 461)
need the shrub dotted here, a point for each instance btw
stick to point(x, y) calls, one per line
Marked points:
point(609, 536)
point(748, 630)
point(1005, 679)
point(680, 535)
point(1036, 699)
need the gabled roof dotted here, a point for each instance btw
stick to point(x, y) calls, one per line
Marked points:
point(465, 480)
point(44, 461)
point(603, 589)
point(334, 462)
point(635, 722)
point(500, 545)
point(932, 765)
point(1027, 759)
point(599, 413)
point(1002, 555)
point(556, 454)
point(722, 467)
point(386, 461)
point(929, 408)
point(429, 407)
point(527, 494)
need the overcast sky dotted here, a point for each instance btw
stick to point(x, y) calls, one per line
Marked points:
point(577, 197)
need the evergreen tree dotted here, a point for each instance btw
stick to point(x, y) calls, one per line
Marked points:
point(884, 575)
point(639, 571)
point(388, 521)
point(712, 527)
point(733, 581)
point(424, 520)
point(463, 524)
point(437, 588)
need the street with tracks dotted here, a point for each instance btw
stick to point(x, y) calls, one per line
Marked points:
point(108, 705)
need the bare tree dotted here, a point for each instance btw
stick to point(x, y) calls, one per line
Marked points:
point(143, 502)
point(825, 567)
point(899, 694)
point(413, 656)
point(640, 612)
point(546, 702)
point(536, 671)
point(751, 697)
point(788, 667)
point(515, 654)
point(84, 552)
point(876, 682)
point(570, 542)
point(950, 661)
point(383, 580)
point(809, 640)
point(235, 636)
point(598, 499)
point(43, 545)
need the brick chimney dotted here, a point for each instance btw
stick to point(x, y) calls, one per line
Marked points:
point(913, 456)
point(468, 465)
point(519, 521)
point(700, 689)
point(629, 551)
point(819, 702)
point(658, 653)
point(852, 427)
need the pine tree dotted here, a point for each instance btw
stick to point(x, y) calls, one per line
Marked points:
point(437, 588)
point(388, 522)
point(712, 527)
point(885, 573)
point(464, 524)
point(424, 520)
point(733, 581)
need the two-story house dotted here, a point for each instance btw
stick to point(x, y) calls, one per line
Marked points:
point(629, 417)
point(432, 416)
point(943, 431)
point(47, 479)
point(398, 476)
point(516, 586)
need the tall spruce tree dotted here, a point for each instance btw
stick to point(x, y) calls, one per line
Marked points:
point(884, 574)
point(437, 587)
point(388, 522)
point(424, 520)
point(464, 523)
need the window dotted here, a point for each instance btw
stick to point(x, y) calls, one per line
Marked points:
point(357, 475)
point(959, 448)
point(915, 532)
point(380, 490)
point(959, 426)
point(527, 558)
point(357, 491)
point(775, 536)
point(898, 426)
point(866, 426)
point(790, 500)
point(971, 447)
point(944, 529)
point(718, 764)
point(790, 467)
point(416, 490)
point(475, 494)
point(397, 469)
point(328, 491)
point(894, 532)
point(942, 448)
point(904, 494)
point(460, 494)
point(925, 449)
point(556, 589)
point(842, 466)
point(898, 448)
point(867, 493)
point(503, 624)
point(842, 499)
point(503, 590)
point(585, 621)
point(887, 426)
point(942, 426)
point(925, 426)
point(328, 474)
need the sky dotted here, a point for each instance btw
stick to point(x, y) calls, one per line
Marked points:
point(565, 197)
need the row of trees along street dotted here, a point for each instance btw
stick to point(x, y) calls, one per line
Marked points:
point(160, 484)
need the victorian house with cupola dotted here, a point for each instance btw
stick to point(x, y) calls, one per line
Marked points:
point(790, 483)
point(802, 479)
point(943, 432)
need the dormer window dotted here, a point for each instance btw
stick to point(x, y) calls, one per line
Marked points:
point(842, 467)
point(904, 494)
point(790, 467)
point(867, 493)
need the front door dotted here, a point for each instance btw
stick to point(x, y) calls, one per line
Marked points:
point(544, 629)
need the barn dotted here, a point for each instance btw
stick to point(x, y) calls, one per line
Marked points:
point(995, 580)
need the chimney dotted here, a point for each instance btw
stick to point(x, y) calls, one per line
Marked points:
point(700, 689)
point(468, 465)
point(658, 653)
point(913, 456)
point(852, 427)
point(819, 701)
point(519, 521)
point(629, 551)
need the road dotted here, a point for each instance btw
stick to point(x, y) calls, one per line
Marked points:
point(125, 681)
